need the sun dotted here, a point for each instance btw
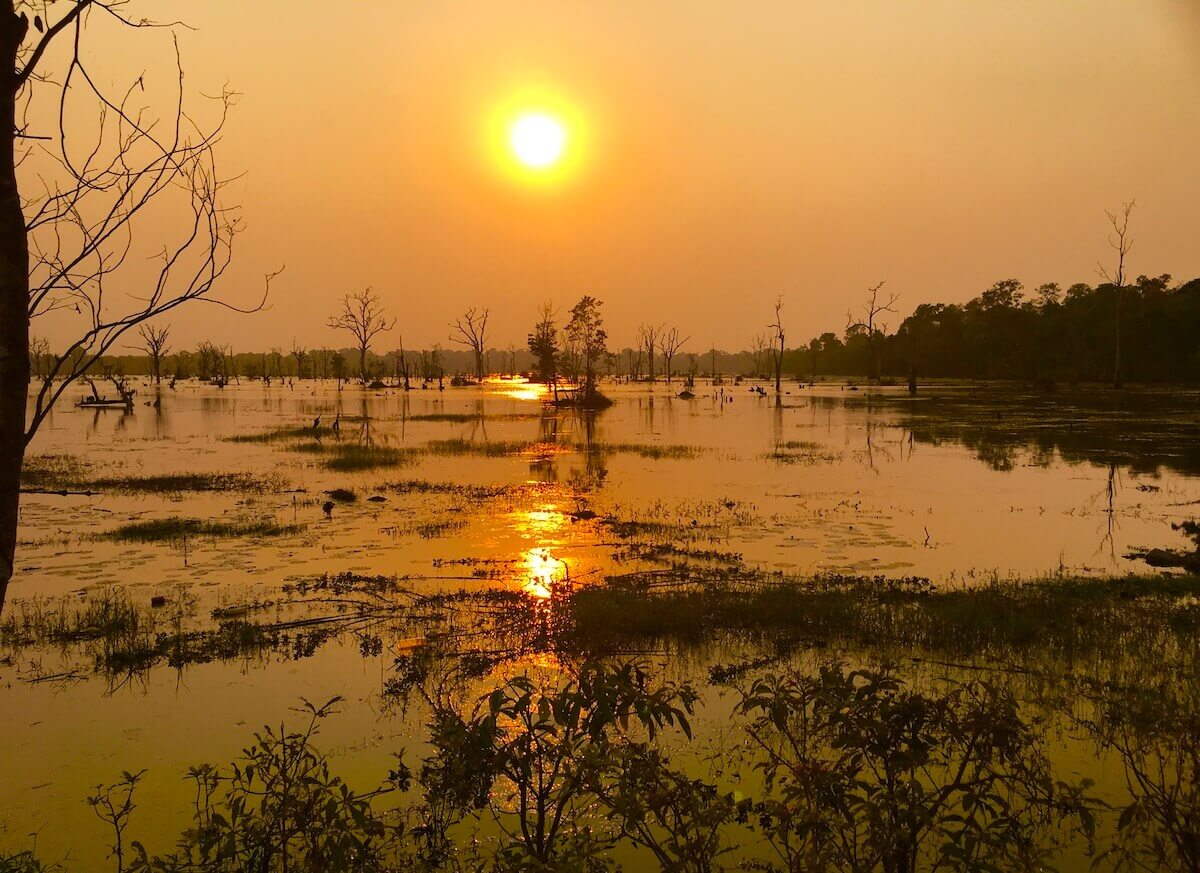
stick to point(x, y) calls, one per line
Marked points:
point(538, 140)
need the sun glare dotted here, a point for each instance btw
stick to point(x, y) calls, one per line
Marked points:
point(538, 140)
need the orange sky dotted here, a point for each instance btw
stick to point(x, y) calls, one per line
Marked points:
point(733, 152)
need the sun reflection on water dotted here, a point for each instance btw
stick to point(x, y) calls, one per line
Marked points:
point(542, 572)
point(517, 388)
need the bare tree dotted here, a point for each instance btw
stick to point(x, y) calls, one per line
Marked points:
point(778, 339)
point(470, 330)
point(404, 364)
point(208, 360)
point(671, 343)
point(40, 357)
point(649, 336)
point(363, 315)
point(74, 204)
point(1121, 243)
point(301, 356)
point(872, 308)
point(154, 344)
point(758, 349)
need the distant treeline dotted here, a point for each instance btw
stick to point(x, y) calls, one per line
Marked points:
point(1051, 334)
point(1004, 333)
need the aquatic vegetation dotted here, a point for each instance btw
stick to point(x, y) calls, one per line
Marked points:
point(356, 457)
point(653, 451)
point(52, 471)
point(168, 483)
point(342, 495)
point(1064, 617)
point(160, 530)
point(278, 808)
point(862, 773)
point(434, 529)
point(466, 417)
point(800, 452)
point(856, 770)
point(537, 755)
point(484, 448)
point(282, 434)
point(470, 491)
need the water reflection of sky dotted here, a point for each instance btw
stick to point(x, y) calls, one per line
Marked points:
point(957, 485)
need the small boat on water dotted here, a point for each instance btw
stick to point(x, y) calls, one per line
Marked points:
point(105, 403)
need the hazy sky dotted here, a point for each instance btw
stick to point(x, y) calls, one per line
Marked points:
point(727, 153)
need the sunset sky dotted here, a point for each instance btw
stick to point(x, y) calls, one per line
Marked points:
point(720, 154)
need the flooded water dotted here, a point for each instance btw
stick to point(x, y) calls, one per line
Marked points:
point(488, 487)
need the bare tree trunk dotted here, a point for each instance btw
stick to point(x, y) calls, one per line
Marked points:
point(14, 301)
point(1117, 340)
point(779, 369)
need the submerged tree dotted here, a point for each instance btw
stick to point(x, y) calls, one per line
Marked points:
point(778, 338)
point(648, 336)
point(672, 342)
point(363, 315)
point(586, 333)
point(79, 172)
point(543, 344)
point(470, 330)
point(154, 344)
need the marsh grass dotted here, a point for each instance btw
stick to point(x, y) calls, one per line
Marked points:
point(434, 529)
point(1066, 617)
point(162, 530)
point(281, 434)
point(356, 457)
point(652, 451)
point(800, 452)
point(169, 483)
point(467, 417)
point(422, 486)
point(482, 448)
point(52, 471)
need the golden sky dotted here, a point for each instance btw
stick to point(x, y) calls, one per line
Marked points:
point(726, 153)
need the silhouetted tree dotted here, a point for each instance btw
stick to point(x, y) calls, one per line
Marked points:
point(1121, 243)
point(301, 357)
point(873, 307)
point(154, 343)
point(778, 339)
point(73, 200)
point(586, 332)
point(543, 345)
point(363, 315)
point(470, 330)
point(672, 341)
point(648, 339)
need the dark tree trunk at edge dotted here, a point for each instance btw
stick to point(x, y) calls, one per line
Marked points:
point(14, 302)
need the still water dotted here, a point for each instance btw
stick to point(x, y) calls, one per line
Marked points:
point(488, 486)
